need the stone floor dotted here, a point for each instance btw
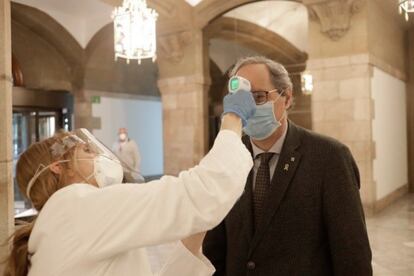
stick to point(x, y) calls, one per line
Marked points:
point(391, 234)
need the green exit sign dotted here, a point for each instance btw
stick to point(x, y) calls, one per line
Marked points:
point(96, 99)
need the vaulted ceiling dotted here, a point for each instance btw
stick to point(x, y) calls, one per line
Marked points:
point(83, 21)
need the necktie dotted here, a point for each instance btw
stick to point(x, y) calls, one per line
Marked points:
point(262, 186)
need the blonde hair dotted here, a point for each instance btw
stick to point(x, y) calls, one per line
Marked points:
point(17, 263)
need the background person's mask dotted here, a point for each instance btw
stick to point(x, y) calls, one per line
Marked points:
point(263, 123)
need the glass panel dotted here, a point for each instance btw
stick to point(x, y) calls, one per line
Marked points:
point(47, 124)
point(29, 127)
point(24, 134)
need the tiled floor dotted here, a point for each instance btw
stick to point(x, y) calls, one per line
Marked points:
point(391, 234)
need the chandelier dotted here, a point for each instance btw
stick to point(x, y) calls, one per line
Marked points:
point(134, 31)
point(406, 6)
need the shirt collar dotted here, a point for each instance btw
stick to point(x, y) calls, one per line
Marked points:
point(276, 147)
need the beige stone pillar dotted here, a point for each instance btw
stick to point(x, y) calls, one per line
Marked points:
point(410, 110)
point(83, 117)
point(342, 108)
point(341, 100)
point(6, 178)
point(184, 84)
point(345, 49)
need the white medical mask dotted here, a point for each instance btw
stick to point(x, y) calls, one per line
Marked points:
point(263, 123)
point(107, 171)
point(122, 136)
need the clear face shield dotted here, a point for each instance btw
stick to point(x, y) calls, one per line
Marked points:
point(92, 159)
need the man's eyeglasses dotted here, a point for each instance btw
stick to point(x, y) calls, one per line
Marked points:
point(261, 97)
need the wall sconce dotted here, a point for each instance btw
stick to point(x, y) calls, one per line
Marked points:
point(307, 83)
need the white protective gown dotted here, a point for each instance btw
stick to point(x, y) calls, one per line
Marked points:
point(83, 230)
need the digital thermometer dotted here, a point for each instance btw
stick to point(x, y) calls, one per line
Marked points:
point(237, 83)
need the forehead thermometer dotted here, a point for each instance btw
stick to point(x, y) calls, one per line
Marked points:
point(237, 83)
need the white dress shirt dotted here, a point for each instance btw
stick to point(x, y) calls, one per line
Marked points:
point(85, 230)
point(276, 149)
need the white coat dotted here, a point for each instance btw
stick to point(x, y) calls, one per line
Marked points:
point(128, 152)
point(84, 230)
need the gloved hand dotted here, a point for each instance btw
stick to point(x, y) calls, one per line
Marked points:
point(241, 103)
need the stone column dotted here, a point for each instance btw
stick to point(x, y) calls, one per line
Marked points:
point(6, 160)
point(343, 59)
point(183, 83)
point(83, 117)
point(341, 100)
point(342, 108)
point(410, 110)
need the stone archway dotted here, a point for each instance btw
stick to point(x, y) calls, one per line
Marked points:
point(259, 39)
point(103, 73)
point(208, 10)
point(36, 35)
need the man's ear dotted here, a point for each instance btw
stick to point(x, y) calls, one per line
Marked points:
point(289, 98)
point(56, 167)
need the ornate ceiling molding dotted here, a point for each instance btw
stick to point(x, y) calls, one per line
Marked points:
point(171, 46)
point(333, 15)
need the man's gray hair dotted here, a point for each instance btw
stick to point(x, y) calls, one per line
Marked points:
point(278, 74)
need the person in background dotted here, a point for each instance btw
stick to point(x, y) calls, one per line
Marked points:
point(127, 151)
point(301, 212)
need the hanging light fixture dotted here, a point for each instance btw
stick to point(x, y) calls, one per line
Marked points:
point(134, 31)
point(406, 6)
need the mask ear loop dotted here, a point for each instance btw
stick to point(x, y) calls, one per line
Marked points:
point(75, 157)
point(86, 179)
point(93, 173)
point(284, 113)
point(42, 168)
point(39, 171)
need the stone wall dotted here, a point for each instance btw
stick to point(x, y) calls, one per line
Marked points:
point(342, 61)
point(337, 40)
point(342, 108)
point(386, 41)
point(6, 173)
point(103, 73)
point(42, 65)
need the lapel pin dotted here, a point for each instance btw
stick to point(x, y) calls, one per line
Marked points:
point(292, 159)
point(286, 168)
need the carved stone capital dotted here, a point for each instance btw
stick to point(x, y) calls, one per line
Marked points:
point(171, 46)
point(333, 15)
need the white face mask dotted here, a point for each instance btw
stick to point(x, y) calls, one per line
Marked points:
point(122, 136)
point(107, 171)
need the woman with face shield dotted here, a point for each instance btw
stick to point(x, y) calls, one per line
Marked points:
point(86, 225)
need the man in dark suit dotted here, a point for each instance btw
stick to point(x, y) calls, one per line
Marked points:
point(301, 213)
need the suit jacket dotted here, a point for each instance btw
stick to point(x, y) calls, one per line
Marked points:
point(313, 223)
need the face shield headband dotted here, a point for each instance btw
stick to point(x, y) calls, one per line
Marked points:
point(107, 167)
